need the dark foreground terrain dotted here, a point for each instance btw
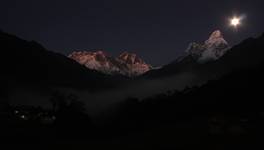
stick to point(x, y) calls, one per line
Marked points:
point(223, 114)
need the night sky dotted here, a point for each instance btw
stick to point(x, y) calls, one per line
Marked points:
point(158, 31)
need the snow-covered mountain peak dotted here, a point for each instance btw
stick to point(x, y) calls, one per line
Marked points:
point(128, 64)
point(211, 49)
point(216, 39)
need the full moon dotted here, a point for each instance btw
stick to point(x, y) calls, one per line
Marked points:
point(235, 21)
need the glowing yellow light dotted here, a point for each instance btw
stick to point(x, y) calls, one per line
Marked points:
point(235, 21)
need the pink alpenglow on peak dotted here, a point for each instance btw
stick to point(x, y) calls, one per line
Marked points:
point(135, 65)
point(127, 64)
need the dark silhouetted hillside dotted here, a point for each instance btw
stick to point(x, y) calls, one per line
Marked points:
point(30, 63)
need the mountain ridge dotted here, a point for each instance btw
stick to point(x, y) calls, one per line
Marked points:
point(211, 49)
point(195, 55)
point(128, 64)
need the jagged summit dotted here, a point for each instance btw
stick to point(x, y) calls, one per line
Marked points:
point(130, 58)
point(211, 49)
point(215, 35)
point(216, 39)
point(128, 64)
point(96, 60)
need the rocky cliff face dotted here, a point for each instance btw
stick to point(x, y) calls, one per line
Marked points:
point(127, 64)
